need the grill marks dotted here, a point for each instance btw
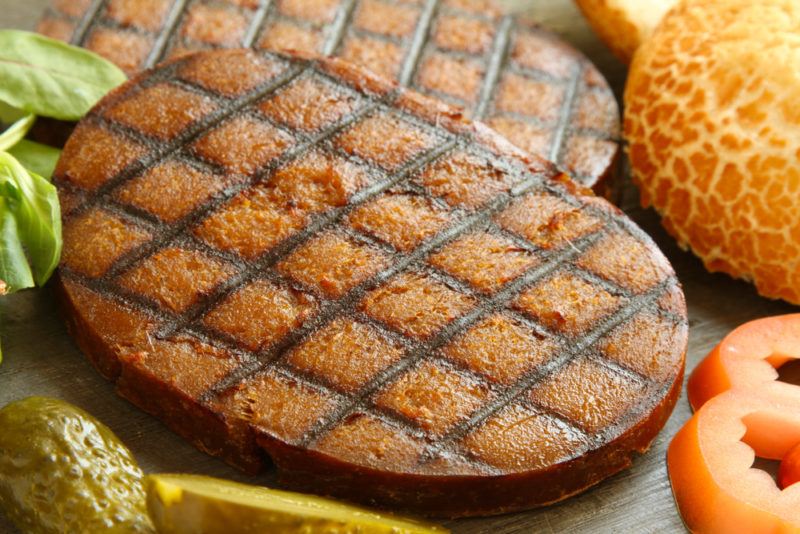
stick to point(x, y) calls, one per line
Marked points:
point(331, 280)
point(537, 91)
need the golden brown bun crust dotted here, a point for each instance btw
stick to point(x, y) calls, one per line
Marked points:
point(713, 123)
point(624, 24)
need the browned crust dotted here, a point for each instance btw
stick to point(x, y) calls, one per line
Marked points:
point(61, 23)
point(610, 184)
point(469, 496)
point(312, 471)
point(444, 495)
point(182, 414)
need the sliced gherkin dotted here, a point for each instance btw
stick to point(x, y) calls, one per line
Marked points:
point(194, 504)
point(61, 470)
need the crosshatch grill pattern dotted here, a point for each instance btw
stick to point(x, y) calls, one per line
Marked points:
point(256, 279)
point(531, 87)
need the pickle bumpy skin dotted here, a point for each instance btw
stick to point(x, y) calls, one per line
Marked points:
point(61, 470)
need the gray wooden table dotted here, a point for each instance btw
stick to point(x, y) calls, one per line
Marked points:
point(40, 359)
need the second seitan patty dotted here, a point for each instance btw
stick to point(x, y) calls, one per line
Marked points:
point(525, 82)
point(287, 257)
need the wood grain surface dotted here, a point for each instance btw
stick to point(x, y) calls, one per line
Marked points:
point(40, 359)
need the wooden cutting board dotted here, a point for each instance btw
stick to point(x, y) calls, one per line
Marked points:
point(40, 359)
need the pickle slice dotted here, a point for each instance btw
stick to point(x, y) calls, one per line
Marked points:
point(204, 505)
point(62, 470)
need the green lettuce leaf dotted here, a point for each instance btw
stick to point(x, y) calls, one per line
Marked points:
point(14, 133)
point(15, 273)
point(33, 203)
point(9, 114)
point(46, 77)
point(37, 158)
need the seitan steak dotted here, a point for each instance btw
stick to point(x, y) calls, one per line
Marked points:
point(529, 85)
point(289, 258)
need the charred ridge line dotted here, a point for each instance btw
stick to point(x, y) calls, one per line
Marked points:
point(384, 330)
point(450, 100)
point(672, 316)
point(460, 54)
point(363, 32)
point(167, 30)
point(421, 265)
point(362, 404)
point(454, 282)
point(515, 171)
point(441, 275)
point(333, 308)
point(521, 173)
point(602, 283)
point(116, 293)
point(517, 239)
point(254, 365)
point(150, 308)
point(618, 368)
point(319, 223)
point(565, 115)
point(538, 75)
point(497, 58)
point(435, 449)
point(107, 23)
point(338, 27)
point(163, 74)
point(458, 325)
point(133, 215)
point(677, 320)
point(437, 273)
point(519, 189)
point(527, 119)
point(418, 41)
point(406, 342)
point(171, 231)
point(611, 220)
point(351, 298)
point(159, 152)
point(256, 23)
point(532, 178)
point(307, 24)
point(570, 353)
point(385, 415)
point(449, 280)
point(86, 22)
point(658, 391)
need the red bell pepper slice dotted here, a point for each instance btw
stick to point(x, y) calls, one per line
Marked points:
point(742, 412)
point(740, 359)
point(709, 464)
point(789, 473)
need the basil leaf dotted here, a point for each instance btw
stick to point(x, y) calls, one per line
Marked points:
point(16, 132)
point(14, 270)
point(10, 114)
point(33, 201)
point(38, 158)
point(47, 77)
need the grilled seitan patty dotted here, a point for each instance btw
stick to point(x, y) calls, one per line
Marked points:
point(288, 255)
point(528, 84)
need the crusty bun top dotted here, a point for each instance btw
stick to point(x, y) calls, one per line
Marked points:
point(625, 24)
point(713, 124)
